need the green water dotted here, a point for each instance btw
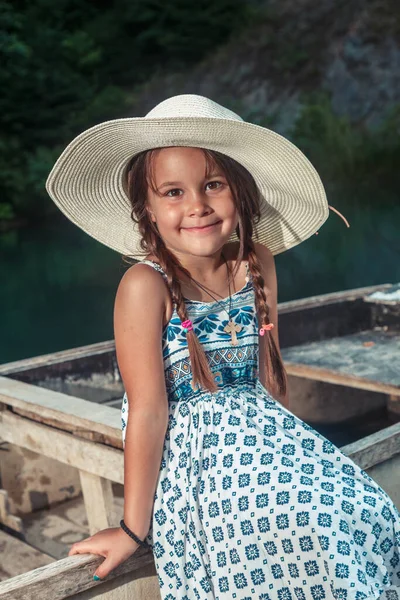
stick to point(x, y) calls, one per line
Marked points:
point(58, 284)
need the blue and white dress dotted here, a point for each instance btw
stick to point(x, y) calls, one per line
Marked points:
point(251, 502)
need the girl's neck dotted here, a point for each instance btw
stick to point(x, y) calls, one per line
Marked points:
point(208, 270)
point(202, 268)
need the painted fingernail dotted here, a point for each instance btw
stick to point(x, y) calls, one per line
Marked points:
point(96, 578)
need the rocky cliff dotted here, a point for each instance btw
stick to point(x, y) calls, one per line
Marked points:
point(349, 50)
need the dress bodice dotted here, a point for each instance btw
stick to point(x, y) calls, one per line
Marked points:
point(231, 365)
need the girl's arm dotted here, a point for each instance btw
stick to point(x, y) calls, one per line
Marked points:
point(139, 310)
point(140, 304)
point(268, 272)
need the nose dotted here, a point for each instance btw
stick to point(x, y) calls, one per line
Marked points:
point(198, 204)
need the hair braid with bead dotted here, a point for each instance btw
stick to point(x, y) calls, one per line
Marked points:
point(275, 369)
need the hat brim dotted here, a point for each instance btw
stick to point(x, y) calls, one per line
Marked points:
point(86, 182)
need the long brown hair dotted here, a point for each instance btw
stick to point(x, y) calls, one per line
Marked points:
point(247, 199)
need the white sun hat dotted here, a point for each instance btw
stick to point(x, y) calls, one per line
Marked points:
point(87, 181)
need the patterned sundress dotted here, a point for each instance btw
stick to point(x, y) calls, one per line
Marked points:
point(251, 502)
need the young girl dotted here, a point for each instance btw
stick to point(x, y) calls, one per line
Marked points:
point(237, 497)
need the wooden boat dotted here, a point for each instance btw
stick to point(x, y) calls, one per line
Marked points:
point(61, 445)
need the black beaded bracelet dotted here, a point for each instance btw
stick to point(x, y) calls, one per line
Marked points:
point(133, 535)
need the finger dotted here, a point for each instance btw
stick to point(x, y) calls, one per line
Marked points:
point(85, 547)
point(77, 548)
point(106, 567)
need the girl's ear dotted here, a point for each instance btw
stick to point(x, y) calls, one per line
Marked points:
point(151, 215)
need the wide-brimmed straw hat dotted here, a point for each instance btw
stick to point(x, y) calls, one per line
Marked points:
point(87, 181)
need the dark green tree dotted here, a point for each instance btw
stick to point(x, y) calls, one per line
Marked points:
point(69, 64)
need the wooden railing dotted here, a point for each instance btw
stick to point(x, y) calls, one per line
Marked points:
point(67, 429)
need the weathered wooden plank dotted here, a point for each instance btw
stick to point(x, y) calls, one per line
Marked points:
point(388, 297)
point(366, 360)
point(17, 557)
point(329, 376)
point(69, 577)
point(326, 316)
point(371, 355)
point(6, 517)
point(386, 474)
point(375, 448)
point(65, 412)
point(131, 586)
point(97, 459)
point(57, 357)
point(342, 295)
point(98, 498)
point(385, 306)
point(67, 425)
point(393, 404)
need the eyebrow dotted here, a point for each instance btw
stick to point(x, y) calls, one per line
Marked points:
point(169, 183)
point(166, 183)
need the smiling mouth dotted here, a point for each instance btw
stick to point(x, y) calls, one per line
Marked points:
point(204, 228)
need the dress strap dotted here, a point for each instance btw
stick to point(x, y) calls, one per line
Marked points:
point(158, 268)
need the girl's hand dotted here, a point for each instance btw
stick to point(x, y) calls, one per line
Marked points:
point(113, 543)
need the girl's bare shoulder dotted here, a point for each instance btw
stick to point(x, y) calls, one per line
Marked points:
point(264, 254)
point(139, 315)
point(142, 284)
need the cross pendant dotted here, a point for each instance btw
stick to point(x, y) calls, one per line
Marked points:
point(233, 328)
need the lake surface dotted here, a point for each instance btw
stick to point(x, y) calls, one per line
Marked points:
point(58, 284)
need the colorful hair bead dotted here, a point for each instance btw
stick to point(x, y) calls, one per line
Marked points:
point(188, 325)
point(265, 328)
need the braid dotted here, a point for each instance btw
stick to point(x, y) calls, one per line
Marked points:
point(137, 182)
point(275, 369)
point(201, 371)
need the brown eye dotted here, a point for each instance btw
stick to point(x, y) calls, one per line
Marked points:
point(219, 183)
point(173, 190)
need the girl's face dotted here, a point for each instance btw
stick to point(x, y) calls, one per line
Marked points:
point(194, 214)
